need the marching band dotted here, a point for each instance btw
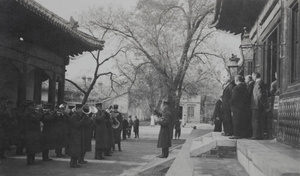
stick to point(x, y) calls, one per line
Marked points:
point(40, 128)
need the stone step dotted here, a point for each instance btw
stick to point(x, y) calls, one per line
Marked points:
point(210, 141)
point(268, 158)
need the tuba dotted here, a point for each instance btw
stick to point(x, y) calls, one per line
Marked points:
point(114, 121)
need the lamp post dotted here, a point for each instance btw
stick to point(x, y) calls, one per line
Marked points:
point(233, 66)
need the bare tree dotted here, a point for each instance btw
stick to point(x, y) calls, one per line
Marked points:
point(166, 33)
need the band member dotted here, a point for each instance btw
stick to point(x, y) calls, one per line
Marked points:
point(164, 137)
point(5, 127)
point(101, 132)
point(116, 115)
point(61, 127)
point(78, 120)
point(20, 128)
point(110, 132)
point(33, 131)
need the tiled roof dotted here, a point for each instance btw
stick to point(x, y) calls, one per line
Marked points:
point(57, 21)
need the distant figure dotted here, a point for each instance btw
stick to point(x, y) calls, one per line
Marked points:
point(136, 126)
point(248, 118)
point(153, 117)
point(129, 127)
point(184, 120)
point(273, 88)
point(125, 125)
point(217, 115)
point(177, 128)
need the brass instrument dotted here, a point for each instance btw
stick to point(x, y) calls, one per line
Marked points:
point(114, 121)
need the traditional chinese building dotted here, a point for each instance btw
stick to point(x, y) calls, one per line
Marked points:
point(270, 44)
point(35, 46)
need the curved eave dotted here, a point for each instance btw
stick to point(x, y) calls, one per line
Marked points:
point(59, 22)
point(234, 15)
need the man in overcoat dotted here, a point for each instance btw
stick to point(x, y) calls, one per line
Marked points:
point(117, 131)
point(238, 107)
point(164, 137)
point(32, 131)
point(218, 115)
point(259, 103)
point(226, 107)
point(77, 120)
point(248, 121)
point(61, 129)
point(5, 127)
point(110, 131)
point(101, 132)
point(48, 133)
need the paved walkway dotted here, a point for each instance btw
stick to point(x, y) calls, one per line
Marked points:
point(136, 154)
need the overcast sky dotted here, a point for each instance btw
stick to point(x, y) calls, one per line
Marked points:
point(85, 65)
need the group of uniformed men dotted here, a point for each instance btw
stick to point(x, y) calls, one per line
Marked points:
point(40, 129)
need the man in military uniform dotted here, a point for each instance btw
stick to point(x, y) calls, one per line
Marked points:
point(77, 123)
point(101, 132)
point(117, 130)
point(110, 132)
point(32, 132)
point(61, 126)
point(4, 127)
point(48, 133)
point(164, 137)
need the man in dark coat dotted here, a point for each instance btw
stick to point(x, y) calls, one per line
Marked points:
point(259, 103)
point(218, 115)
point(101, 132)
point(226, 107)
point(61, 127)
point(77, 120)
point(136, 126)
point(117, 131)
point(110, 132)
point(129, 127)
point(48, 133)
point(20, 128)
point(33, 133)
point(125, 125)
point(238, 107)
point(164, 137)
point(5, 127)
point(248, 118)
point(87, 134)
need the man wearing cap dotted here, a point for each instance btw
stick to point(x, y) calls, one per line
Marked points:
point(32, 132)
point(164, 137)
point(61, 126)
point(48, 133)
point(4, 130)
point(117, 131)
point(110, 132)
point(77, 122)
point(101, 132)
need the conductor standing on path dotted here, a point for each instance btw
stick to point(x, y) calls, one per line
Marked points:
point(164, 137)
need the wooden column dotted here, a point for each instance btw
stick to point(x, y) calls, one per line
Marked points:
point(52, 89)
point(37, 96)
point(22, 84)
point(61, 90)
